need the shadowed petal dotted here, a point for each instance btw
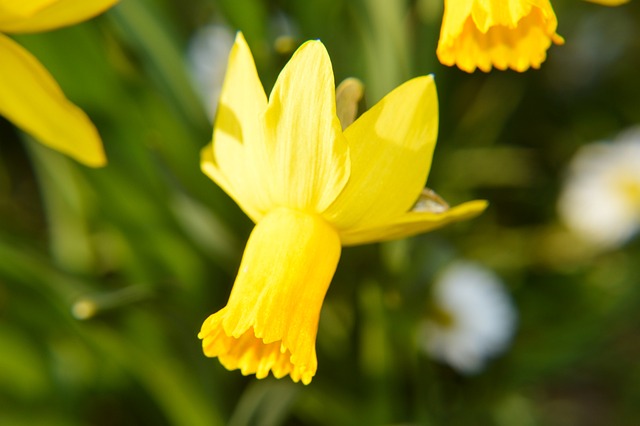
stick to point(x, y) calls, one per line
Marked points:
point(237, 153)
point(348, 95)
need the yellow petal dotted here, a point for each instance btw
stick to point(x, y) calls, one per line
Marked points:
point(33, 101)
point(33, 16)
point(308, 155)
point(235, 160)
point(271, 319)
point(12, 10)
point(413, 223)
point(506, 34)
point(507, 13)
point(391, 146)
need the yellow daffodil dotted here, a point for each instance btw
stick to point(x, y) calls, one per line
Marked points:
point(29, 96)
point(497, 33)
point(311, 188)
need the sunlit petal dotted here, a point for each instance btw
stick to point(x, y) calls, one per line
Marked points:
point(41, 15)
point(33, 101)
point(412, 223)
point(12, 10)
point(308, 153)
point(391, 146)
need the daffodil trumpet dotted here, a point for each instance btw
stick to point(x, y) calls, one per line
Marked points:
point(311, 188)
point(504, 34)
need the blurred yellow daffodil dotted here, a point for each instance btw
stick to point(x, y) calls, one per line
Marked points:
point(311, 187)
point(29, 96)
point(497, 33)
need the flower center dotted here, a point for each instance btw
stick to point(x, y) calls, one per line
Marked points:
point(630, 189)
point(441, 316)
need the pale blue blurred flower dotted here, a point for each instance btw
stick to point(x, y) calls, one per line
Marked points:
point(207, 61)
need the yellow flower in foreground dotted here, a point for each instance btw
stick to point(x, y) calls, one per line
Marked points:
point(29, 96)
point(501, 33)
point(311, 188)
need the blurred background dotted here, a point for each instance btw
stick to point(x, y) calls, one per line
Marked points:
point(107, 274)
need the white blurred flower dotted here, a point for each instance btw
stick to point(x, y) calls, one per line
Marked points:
point(600, 201)
point(207, 61)
point(472, 319)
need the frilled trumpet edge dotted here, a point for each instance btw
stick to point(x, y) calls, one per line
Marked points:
point(517, 47)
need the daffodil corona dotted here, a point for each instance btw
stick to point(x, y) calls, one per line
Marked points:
point(29, 96)
point(311, 188)
point(504, 34)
